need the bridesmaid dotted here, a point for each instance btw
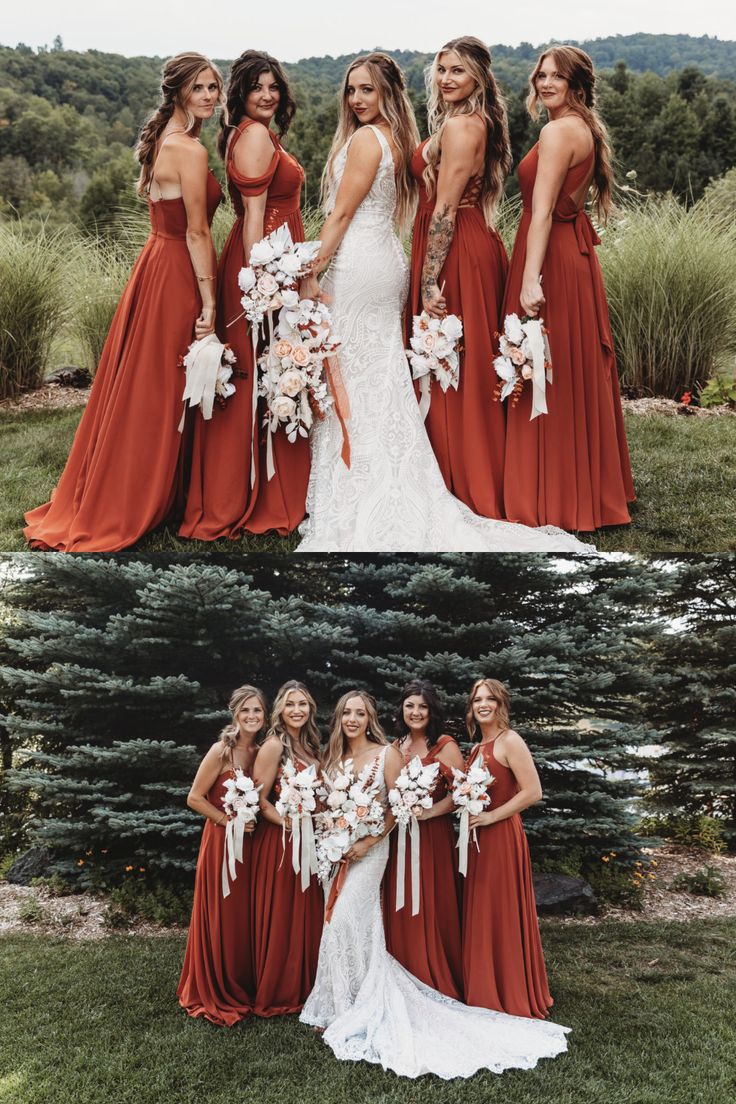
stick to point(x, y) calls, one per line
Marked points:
point(428, 944)
point(287, 923)
point(503, 964)
point(121, 477)
point(461, 171)
point(265, 185)
point(569, 467)
point(217, 979)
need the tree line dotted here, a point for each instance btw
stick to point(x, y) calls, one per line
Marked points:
point(68, 120)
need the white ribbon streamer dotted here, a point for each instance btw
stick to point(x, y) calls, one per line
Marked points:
point(202, 363)
point(425, 396)
point(232, 852)
point(416, 887)
point(309, 851)
point(462, 842)
point(538, 346)
point(254, 405)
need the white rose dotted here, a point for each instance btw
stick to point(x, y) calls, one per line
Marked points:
point(512, 329)
point(246, 279)
point(283, 408)
point(291, 382)
point(451, 327)
point(290, 264)
point(261, 253)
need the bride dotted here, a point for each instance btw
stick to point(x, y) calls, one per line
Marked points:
point(369, 1006)
point(393, 496)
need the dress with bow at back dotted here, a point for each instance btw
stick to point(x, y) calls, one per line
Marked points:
point(466, 427)
point(123, 474)
point(569, 467)
point(220, 500)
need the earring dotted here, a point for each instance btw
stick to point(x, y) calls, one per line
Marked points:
point(368, 732)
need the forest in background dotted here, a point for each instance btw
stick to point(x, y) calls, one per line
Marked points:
point(68, 120)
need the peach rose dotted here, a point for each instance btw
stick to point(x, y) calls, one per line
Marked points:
point(516, 355)
point(267, 284)
point(526, 372)
point(341, 822)
point(300, 356)
point(282, 349)
point(361, 811)
point(291, 382)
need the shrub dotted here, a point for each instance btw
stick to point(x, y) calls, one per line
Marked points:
point(706, 882)
point(719, 391)
point(670, 278)
point(618, 884)
point(31, 911)
point(99, 273)
point(33, 302)
point(705, 832)
point(721, 194)
point(159, 904)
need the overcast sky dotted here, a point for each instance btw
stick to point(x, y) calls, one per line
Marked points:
point(292, 29)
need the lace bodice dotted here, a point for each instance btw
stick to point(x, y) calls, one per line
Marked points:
point(379, 205)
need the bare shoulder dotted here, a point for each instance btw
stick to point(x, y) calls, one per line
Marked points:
point(510, 742)
point(394, 757)
point(189, 149)
point(463, 131)
point(214, 754)
point(365, 143)
point(271, 749)
point(564, 135)
point(256, 137)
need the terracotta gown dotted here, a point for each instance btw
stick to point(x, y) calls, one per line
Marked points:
point(428, 945)
point(287, 923)
point(220, 500)
point(503, 964)
point(121, 477)
point(466, 427)
point(217, 978)
point(569, 467)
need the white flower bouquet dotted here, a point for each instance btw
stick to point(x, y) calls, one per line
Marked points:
point(413, 792)
point(240, 801)
point(524, 355)
point(298, 801)
point(352, 812)
point(435, 352)
point(208, 365)
point(271, 279)
point(470, 796)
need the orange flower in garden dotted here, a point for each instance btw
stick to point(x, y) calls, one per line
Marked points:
point(604, 858)
point(128, 869)
point(80, 862)
point(142, 869)
point(686, 398)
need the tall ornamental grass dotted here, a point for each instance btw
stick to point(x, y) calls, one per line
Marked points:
point(97, 273)
point(670, 277)
point(33, 302)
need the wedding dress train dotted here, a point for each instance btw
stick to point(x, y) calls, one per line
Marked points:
point(393, 496)
point(373, 1009)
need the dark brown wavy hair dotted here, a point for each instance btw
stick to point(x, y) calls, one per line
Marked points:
point(577, 69)
point(436, 721)
point(243, 78)
point(178, 77)
point(485, 100)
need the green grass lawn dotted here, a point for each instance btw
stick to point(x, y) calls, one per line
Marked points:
point(684, 470)
point(651, 1008)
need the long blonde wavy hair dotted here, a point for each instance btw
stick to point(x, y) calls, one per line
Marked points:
point(395, 107)
point(178, 78)
point(500, 694)
point(309, 734)
point(486, 101)
point(337, 745)
point(231, 732)
point(577, 69)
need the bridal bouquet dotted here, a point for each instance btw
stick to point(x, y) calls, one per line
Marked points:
point(209, 367)
point(240, 802)
point(413, 792)
point(353, 812)
point(271, 279)
point(297, 801)
point(435, 352)
point(524, 355)
point(470, 796)
point(291, 372)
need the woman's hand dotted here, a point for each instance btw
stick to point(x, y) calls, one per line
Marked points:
point(423, 814)
point(433, 302)
point(205, 324)
point(360, 848)
point(309, 288)
point(482, 820)
point(286, 823)
point(250, 826)
point(532, 296)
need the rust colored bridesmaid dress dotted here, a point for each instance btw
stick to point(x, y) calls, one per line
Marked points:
point(428, 945)
point(569, 467)
point(503, 964)
point(287, 923)
point(123, 472)
point(217, 978)
point(466, 427)
point(220, 500)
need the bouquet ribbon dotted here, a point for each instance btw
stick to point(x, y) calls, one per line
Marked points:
point(233, 851)
point(414, 832)
point(339, 394)
point(303, 848)
point(202, 363)
point(463, 840)
point(425, 395)
point(540, 374)
point(337, 883)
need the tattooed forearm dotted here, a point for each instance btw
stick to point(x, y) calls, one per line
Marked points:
point(439, 240)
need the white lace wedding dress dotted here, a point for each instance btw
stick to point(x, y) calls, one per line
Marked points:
point(373, 1009)
point(393, 497)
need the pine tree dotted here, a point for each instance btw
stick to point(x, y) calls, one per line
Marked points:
point(696, 711)
point(120, 668)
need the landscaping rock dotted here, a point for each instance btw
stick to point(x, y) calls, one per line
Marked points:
point(36, 863)
point(560, 894)
point(71, 376)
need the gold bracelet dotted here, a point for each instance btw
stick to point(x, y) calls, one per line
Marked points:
point(206, 278)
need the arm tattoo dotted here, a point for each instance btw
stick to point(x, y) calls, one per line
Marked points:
point(439, 240)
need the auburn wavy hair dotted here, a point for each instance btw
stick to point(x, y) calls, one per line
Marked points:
point(243, 79)
point(178, 78)
point(231, 732)
point(337, 744)
point(395, 107)
point(577, 69)
point(485, 100)
point(500, 694)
